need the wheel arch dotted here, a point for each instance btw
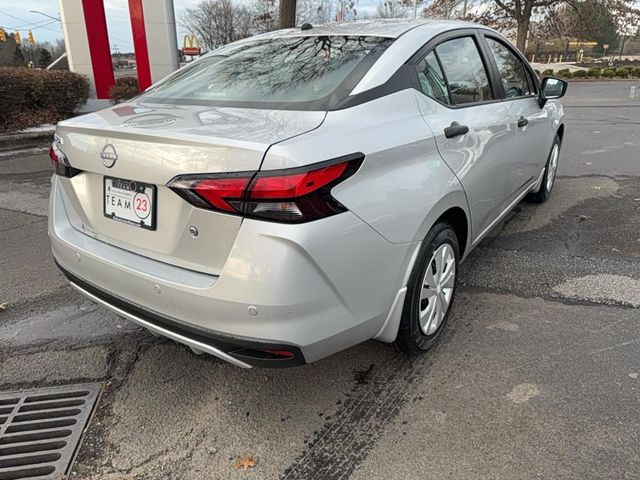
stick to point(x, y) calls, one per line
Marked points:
point(459, 221)
point(560, 132)
point(453, 209)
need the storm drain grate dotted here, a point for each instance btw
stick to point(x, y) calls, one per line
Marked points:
point(40, 429)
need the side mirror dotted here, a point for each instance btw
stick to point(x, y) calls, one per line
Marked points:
point(551, 88)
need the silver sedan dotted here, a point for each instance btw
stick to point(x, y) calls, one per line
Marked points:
point(296, 193)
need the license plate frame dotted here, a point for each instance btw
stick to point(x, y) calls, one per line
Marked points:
point(134, 189)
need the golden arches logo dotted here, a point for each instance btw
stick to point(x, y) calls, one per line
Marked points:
point(190, 45)
point(191, 40)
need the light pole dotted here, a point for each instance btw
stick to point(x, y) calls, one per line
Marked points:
point(57, 20)
point(46, 15)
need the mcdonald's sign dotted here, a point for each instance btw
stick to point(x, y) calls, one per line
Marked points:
point(191, 45)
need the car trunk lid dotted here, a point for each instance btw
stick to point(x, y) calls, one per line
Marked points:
point(151, 144)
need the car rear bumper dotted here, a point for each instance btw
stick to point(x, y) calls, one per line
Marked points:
point(308, 289)
point(239, 352)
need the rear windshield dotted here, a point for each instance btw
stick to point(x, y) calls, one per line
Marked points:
point(285, 73)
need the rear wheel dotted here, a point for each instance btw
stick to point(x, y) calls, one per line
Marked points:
point(430, 291)
point(549, 178)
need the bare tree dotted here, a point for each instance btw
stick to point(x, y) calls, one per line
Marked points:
point(218, 22)
point(499, 14)
point(445, 9)
point(265, 15)
point(287, 13)
point(58, 49)
point(517, 11)
point(624, 12)
point(316, 11)
point(586, 20)
point(391, 9)
point(626, 15)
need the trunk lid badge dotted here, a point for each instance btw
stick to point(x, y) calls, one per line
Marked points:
point(108, 155)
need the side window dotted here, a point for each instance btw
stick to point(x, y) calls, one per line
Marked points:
point(431, 79)
point(467, 78)
point(512, 71)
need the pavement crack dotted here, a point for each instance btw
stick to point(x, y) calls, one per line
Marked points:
point(141, 345)
point(616, 346)
point(40, 219)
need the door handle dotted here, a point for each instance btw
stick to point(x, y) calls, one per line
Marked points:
point(522, 122)
point(455, 129)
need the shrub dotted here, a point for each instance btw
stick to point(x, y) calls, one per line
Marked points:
point(594, 72)
point(609, 72)
point(125, 89)
point(564, 73)
point(548, 72)
point(63, 92)
point(623, 72)
point(580, 74)
point(635, 72)
point(30, 97)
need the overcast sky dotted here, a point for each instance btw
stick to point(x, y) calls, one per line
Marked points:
point(14, 14)
point(17, 15)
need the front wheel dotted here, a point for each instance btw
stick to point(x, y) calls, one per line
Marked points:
point(430, 291)
point(549, 178)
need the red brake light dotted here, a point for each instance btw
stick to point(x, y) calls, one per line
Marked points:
point(297, 185)
point(290, 196)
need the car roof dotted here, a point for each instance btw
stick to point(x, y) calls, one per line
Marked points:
point(390, 28)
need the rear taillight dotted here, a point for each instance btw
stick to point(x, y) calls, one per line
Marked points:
point(60, 163)
point(289, 196)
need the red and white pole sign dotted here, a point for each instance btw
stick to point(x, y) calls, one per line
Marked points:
point(87, 41)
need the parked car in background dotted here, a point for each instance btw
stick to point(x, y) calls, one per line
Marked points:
point(296, 193)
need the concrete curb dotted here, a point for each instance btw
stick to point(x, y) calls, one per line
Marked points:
point(13, 141)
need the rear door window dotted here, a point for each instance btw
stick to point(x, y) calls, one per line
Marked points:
point(465, 71)
point(431, 78)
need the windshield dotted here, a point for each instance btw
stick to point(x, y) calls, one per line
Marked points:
point(296, 73)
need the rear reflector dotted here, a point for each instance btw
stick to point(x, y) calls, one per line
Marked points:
point(60, 163)
point(219, 191)
point(288, 196)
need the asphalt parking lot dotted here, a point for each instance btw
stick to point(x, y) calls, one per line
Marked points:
point(537, 376)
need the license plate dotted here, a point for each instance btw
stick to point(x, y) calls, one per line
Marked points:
point(130, 202)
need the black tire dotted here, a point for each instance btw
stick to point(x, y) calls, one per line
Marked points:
point(411, 339)
point(544, 193)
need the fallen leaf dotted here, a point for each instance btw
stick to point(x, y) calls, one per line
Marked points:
point(246, 462)
point(3, 306)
